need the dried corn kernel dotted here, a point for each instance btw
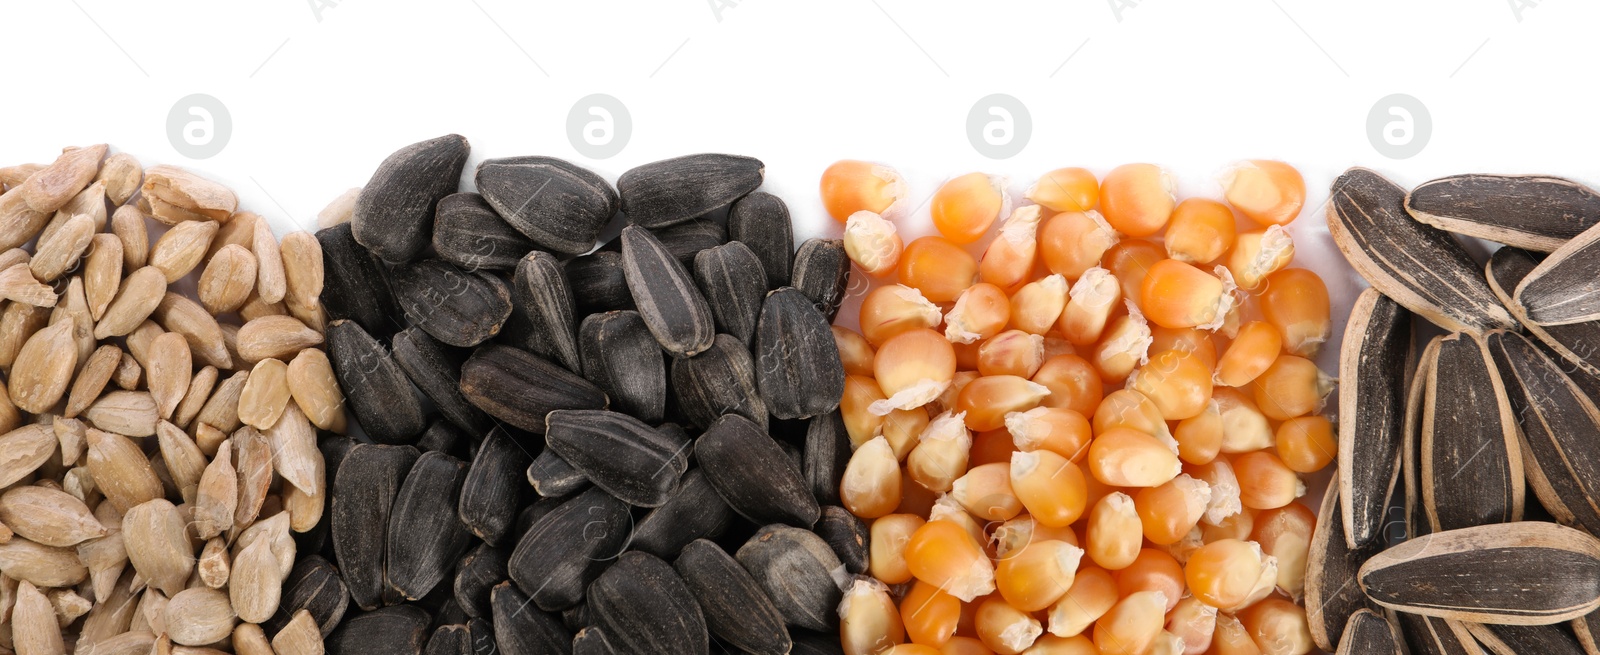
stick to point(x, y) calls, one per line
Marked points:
point(1285, 534)
point(965, 207)
point(854, 351)
point(850, 186)
point(873, 243)
point(986, 493)
point(860, 392)
point(869, 623)
point(1307, 443)
point(1194, 622)
point(1130, 458)
point(1074, 242)
point(1036, 576)
point(1230, 638)
point(1131, 626)
point(1066, 190)
point(1259, 253)
point(1223, 573)
point(1137, 199)
point(1036, 306)
point(1265, 191)
point(1130, 260)
point(1168, 644)
point(1278, 627)
point(902, 428)
point(1009, 258)
point(870, 487)
point(1257, 345)
point(1012, 352)
point(910, 649)
point(980, 312)
point(929, 614)
point(1126, 408)
point(992, 447)
point(988, 399)
point(1177, 295)
point(887, 311)
point(1017, 534)
point(1292, 386)
point(966, 355)
point(1090, 303)
point(941, 454)
point(1073, 383)
point(1053, 645)
point(1295, 301)
point(1055, 345)
point(1171, 510)
point(887, 547)
point(912, 369)
point(1244, 426)
point(1114, 534)
point(914, 498)
point(1005, 629)
point(1223, 502)
point(941, 270)
point(1152, 570)
point(1092, 594)
point(1201, 230)
point(962, 645)
point(1200, 437)
point(1237, 526)
point(1055, 429)
point(944, 554)
point(1265, 482)
point(947, 509)
point(1177, 382)
point(1124, 346)
point(1050, 486)
point(1189, 340)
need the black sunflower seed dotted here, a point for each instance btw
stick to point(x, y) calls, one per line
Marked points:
point(449, 640)
point(721, 380)
point(694, 511)
point(425, 536)
point(1526, 639)
point(557, 204)
point(369, 480)
point(675, 190)
point(1332, 590)
point(622, 358)
point(481, 632)
point(668, 301)
point(1565, 287)
point(354, 286)
point(751, 472)
point(1430, 635)
point(1558, 425)
point(826, 456)
point(457, 307)
point(690, 238)
point(394, 212)
point(313, 585)
point(822, 272)
point(520, 388)
point(847, 535)
point(1369, 633)
point(468, 233)
point(797, 361)
point(618, 453)
point(1472, 468)
point(436, 369)
point(760, 220)
point(520, 629)
point(598, 283)
point(1525, 211)
point(553, 477)
point(541, 287)
point(730, 276)
point(568, 548)
point(795, 568)
point(577, 617)
point(645, 608)
point(1373, 362)
point(807, 642)
point(492, 491)
point(736, 610)
point(591, 641)
point(376, 388)
point(479, 571)
point(1574, 342)
point(400, 630)
point(443, 436)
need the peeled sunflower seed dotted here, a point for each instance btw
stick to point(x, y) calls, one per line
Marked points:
point(1419, 266)
point(798, 370)
point(795, 569)
point(620, 356)
point(1506, 269)
point(557, 204)
point(436, 369)
point(731, 278)
point(314, 586)
point(1373, 362)
point(721, 380)
point(158, 546)
point(468, 233)
point(492, 491)
point(520, 388)
point(369, 478)
point(1536, 212)
point(380, 394)
point(394, 212)
point(675, 190)
point(752, 473)
point(672, 307)
point(24, 450)
point(822, 272)
point(1526, 639)
point(354, 286)
point(564, 551)
point(645, 608)
point(553, 477)
point(457, 307)
point(48, 516)
point(523, 630)
point(1369, 633)
point(44, 566)
point(760, 221)
point(1526, 573)
point(176, 195)
point(1563, 288)
point(478, 572)
point(1332, 593)
point(598, 283)
point(694, 511)
point(736, 610)
point(1472, 469)
point(399, 629)
point(540, 287)
point(425, 537)
point(618, 453)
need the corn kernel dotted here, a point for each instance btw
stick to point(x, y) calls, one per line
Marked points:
point(980, 312)
point(946, 402)
point(1285, 533)
point(962, 645)
point(1295, 301)
point(1124, 346)
point(1114, 534)
point(929, 614)
point(910, 649)
point(1278, 627)
point(1036, 306)
point(1066, 190)
point(992, 447)
point(986, 493)
point(1265, 191)
point(1177, 382)
point(1251, 353)
point(1036, 576)
point(1131, 626)
point(941, 454)
point(1090, 303)
point(1307, 444)
point(1017, 534)
point(1201, 230)
point(965, 207)
point(1259, 253)
point(1244, 425)
point(1050, 486)
point(1137, 199)
point(1189, 340)
point(1223, 502)
point(1055, 345)
point(1099, 490)
point(1194, 622)
point(1010, 257)
point(1073, 383)
point(1053, 645)
point(944, 554)
point(1184, 547)
point(966, 356)
point(869, 623)
point(1012, 352)
point(860, 392)
point(1130, 260)
point(988, 399)
point(1265, 482)
point(1152, 570)
point(1167, 644)
point(1200, 436)
point(1126, 408)
point(1223, 573)
point(1176, 295)
point(887, 547)
point(902, 427)
point(1171, 510)
point(912, 369)
point(1237, 526)
point(1292, 386)
point(890, 310)
point(1130, 458)
point(1073, 242)
point(1005, 629)
point(947, 509)
point(1055, 429)
point(870, 487)
point(914, 498)
point(854, 351)
point(941, 270)
point(1092, 594)
point(1230, 638)
point(873, 243)
point(850, 186)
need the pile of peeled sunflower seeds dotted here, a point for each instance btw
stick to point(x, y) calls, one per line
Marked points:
point(1486, 437)
point(630, 450)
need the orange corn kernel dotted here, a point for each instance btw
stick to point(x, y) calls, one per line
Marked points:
point(1188, 340)
point(1055, 429)
point(1237, 526)
point(1295, 301)
point(944, 554)
point(887, 550)
point(1012, 352)
point(1006, 630)
point(1201, 230)
point(992, 447)
point(1036, 576)
point(985, 492)
point(1278, 626)
point(1224, 573)
point(965, 207)
point(1177, 382)
point(1073, 383)
point(1124, 346)
point(1131, 626)
point(873, 243)
point(1265, 191)
point(1152, 570)
point(1090, 303)
point(1015, 535)
point(1223, 502)
point(941, 453)
point(1066, 190)
point(1071, 243)
point(912, 369)
point(1114, 534)
point(1130, 260)
point(988, 399)
point(1292, 386)
point(1265, 482)
point(946, 402)
point(860, 392)
point(890, 310)
point(947, 509)
point(1130, 458)
point(869, 622)
point(941, 270)
point(1230, 638)
point(1171, 510)
point(1055, 345)
point(1137, 199)
point(1036, 306)
point(980, 312)
point(854, 351)
point(1194, 622)
point(910, 649)
point(1009, 258)
point(1050, 486)
point(902, 427)
point(966, 356)
point(1177, 295)
point(1259, 253)
point(1307, 443)
point(1285, 533)
point(870, 487)
point(1252, 351)
point(961, 645)
point(1244, 426)
point(1092, 594)
point(850, 186)
point(1126, 408)
point(1200, 436)
point(929, 614)
point(1053, 645)
point(914, 498)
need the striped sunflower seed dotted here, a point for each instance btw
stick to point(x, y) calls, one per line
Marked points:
point(1373, 362)
point(48, 516)
point(760, 221)
point(1562, 466)
point(795, 568)
point(558, 205)
point(540, 287)
point(827, 453)
point(468, 233)
point(672, 307)
point(382, 398)
point(425, 538)
point(732, 280)
point(393, 215)
point(847, 535)
point(520, 388)
point(314, 587)
point(622, 358)
point(1332, 593)
point(399, 629)
point(798, 369)
point(1472, 468)
point(822, 273)
point(694, 511)
point(1506, 269)
point(1562, 289)
point(618, 453)
point(687, 239)
point(645, 607)
point(598, 283)
point(1428, 635)
point(557, 558)
point(492, 492)
point(476, 575)
point(364, 490)
point(457, 307)
point(736, 610)
point(51, 187)
point(1370, 632)
point(553, 477)
point(449, 640)
point(1516, 639)
point(1536, 212)
point(675, 190)
point(752, 473)
point(591, 640)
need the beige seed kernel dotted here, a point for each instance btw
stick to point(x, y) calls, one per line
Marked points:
point(305, 510)
point(270, 280)
point(138, 341)
point(275, 532)
point(62, 249)
point(300, 636)
point(107, 556)
point(339, 210)
point(131, 413)
point(68, 605)
point(182, 248)
point(195, 397)
point(186, 317)
point(265, 394)
point(129, 373)
point(221, 411)
point(91, 202)
point(18, 321)
point(229, 278)
point(168, 372)
point(277, 337)
point(43, 369)
point(316, 390)
point(18, 284)
point(74, 308)
point(54, 185)
point(185, 462)
point(140, 295)
point(250, 639)
point(48, 516)
point(34, 630)
point(252, 458)
point(254, 307)
point(238, 231)
point(294, 450)
point(199, 616)
point(214, 565)
point(217, 496)
point(102, 273)
point(158, 544)
point(177, 195)
point(121, 175)
point(127, 224)
point(44, 566)
point(24, 450)
point(255, 582)
point(72, 435)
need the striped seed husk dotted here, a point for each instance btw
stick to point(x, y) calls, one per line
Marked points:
point(822, 272)
point(1371, 633)
point(620, 454)
point(754, 475)
point(645, 607)
point(1563, 289)
point(364, 489)
point(540, 288)
point(1374, 362)
point(565, 550)
point(1332, 593)
point(798, 369)
point(1537, 212)
point(734, 284)
point(425, 536)
point(622, 358)
point(721, 380)
point(761, 221)
point(1472, 468)
point(1518, 639)
point(1574, 342)
point(668, 300)
point(556, 204)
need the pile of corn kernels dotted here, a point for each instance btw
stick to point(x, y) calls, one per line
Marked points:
point(1091, 438)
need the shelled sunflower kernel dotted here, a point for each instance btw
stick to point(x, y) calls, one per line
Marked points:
point(1115, 403)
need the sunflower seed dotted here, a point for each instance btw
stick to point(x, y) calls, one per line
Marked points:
point(121, 175)
point(1429, 635)
point(217, 495)
point(822, 272)
point(127, 643)
point(522, 630)
point(618, 453)
point(23, 451)
point(33, 623)
point(760, 220)
point(51, 187)
point(120, 470)
point(553, 477)
point(53, 257)
point(559, 205)
point(354, 285)
point(300, 636)
point(449, 640)
point(184, 461)
point(255, 583)
point(1561, 466)
point(1375, 355)
point(369, 478)
point(568, 548)
point(443, 436)
point(18, 222)
point(456, 307)
point(1574, 342)
point(731, 279)
point(176, 195)
point(127, 224)
point(43, 369)
point(1472, 469)
point(158, 546)
point(795, 568)
point(827, 453)
point(400, 630)
point(752, 473)
point(1369, 633)
point(169, 372)
point(221, 410)
point(591, 640)
point(425, 537)
point(1332, 593)
point(540, 286)
point(18, 284)
point(520, 388)
point(1526, 639)
point(48, 516)
point(598, 283)
point(214, 565)
point(478, 572)
point(797, 362)
point(393, 215)
point(694, 511)
point(468, 233)
point(436, 369)
point(313, 586)
point(1419, 266)
point(90, 202)
point(621, 357)
point(675, 190)
point(736, 610)
point(719, 381)
point(1524, 211)
point(182, 248)
point(18, 321)
point(194, 398)
point(847, 535)
point(1587, 629)
point(672, 307)
point(252, 458)
point(1561, 290)
point(265, 394)
point(492, 491)
point(186, 317)
point(44, 566)
point(315, 389)
point(382, 397)
point(688, 239)
point(644, 607)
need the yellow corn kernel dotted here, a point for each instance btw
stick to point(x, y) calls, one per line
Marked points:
point(1090, 303)
point(1171, 510)
point(946, 402)
point(944, 554)
point(1307, 444)
point(1131, 626)
point(870, 487)
point(966, 356)
point(914, 498)
point(1006, 630)
point(869, 623)
point(1137, 199)
point(887, 548)
point(1177, 382)
point(992, 447)
point(1176, 295)
point(1050, 486)
point(903, 427)
point(1265, 482)
point(890, 310)
point(960, 645)
point(1265, 191)
point(941, 270)
point(1230, 638)
point(980, 312)
point(1017, 534)
point(1071, 243)
point(1066, 190)
point(941, 453)
point(850, 186)
point(988, 399)
point(929, 614)
point(1188, 340)
point(1124, 346)
point(1055, 429)
point(1126, 408)
point(873, 243)
point(854, 351)
point(1010, 257)
point(1092, 594)
point(1036, 576)
point(1012, 352)
point(965, 207)
point(1182, 548)
point(1285, 533)
point(1256, 347)
point(860, 392)
point(1194, 622)
point(1201, 230)
point(1053, 645)
point(1278, 627)
point(1073, 383)
point(1259, 253)
point(1129, 458)
point(1114, 534)
point(1292, 386)
point(1244, 426)
point(1200, 437)
point(1036, 306)
point(1130, 261)
point(1237, 526)
point(946, 508)
point(986, 493)
point(1295, 301)
point(1054, 345)
point(1223, 573)
point(912, 369)
point(1168, 644)
point(910, 649)
point(1224, 485)
point(1152, 570)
